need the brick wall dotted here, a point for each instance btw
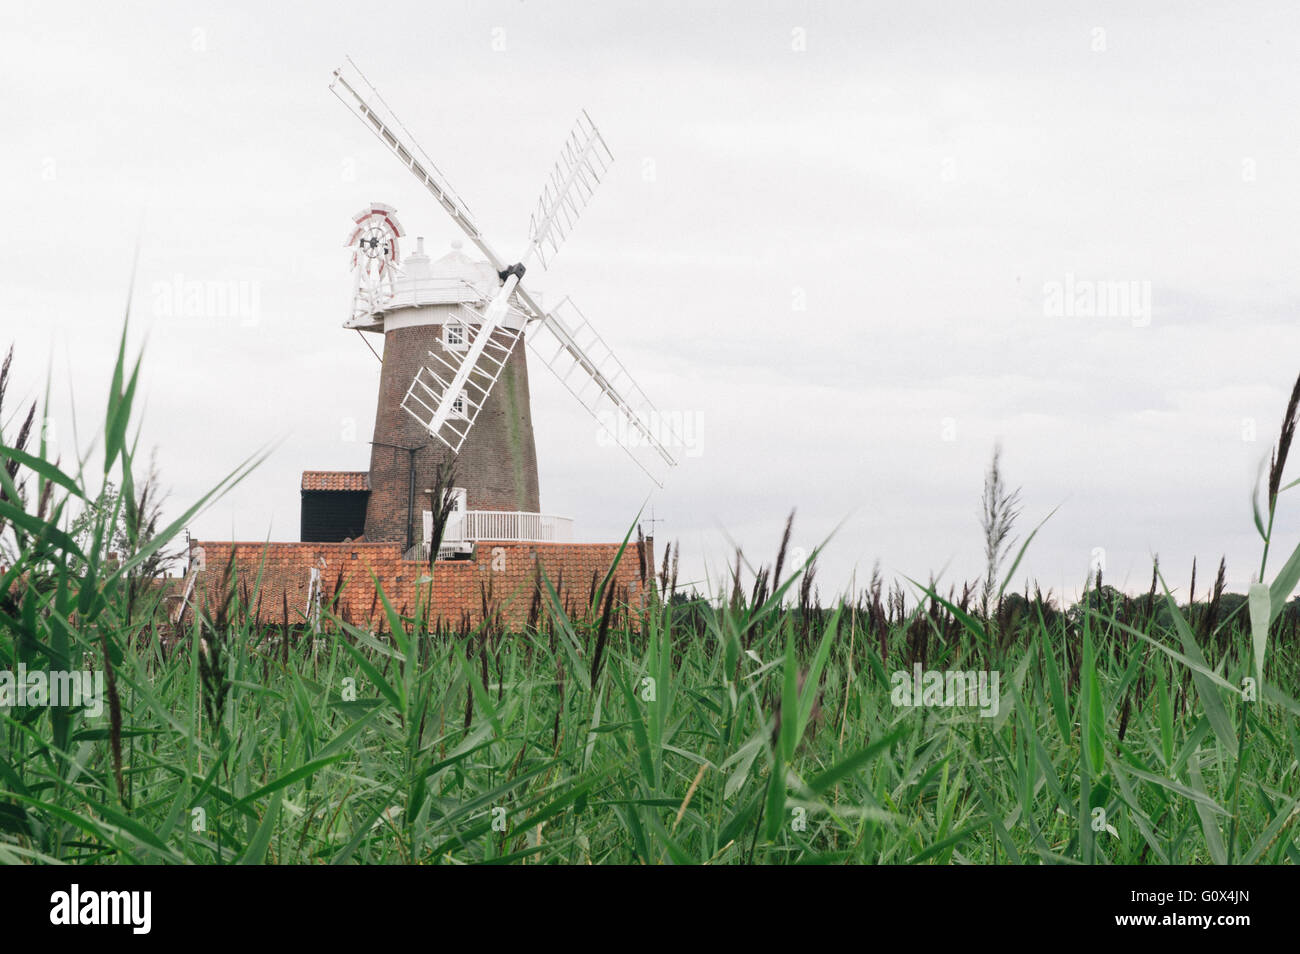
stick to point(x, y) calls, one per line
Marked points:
point(497, 464)
point(509, 569)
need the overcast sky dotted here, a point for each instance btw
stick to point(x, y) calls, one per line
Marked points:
point(836, 237)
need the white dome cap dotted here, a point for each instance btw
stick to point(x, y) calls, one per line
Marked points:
point(454, 278)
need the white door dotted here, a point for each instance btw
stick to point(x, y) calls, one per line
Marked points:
point(454, 532)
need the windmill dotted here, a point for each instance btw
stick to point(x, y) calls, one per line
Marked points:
point(453, 383)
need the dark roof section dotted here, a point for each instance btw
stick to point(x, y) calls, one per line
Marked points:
point(352, 480)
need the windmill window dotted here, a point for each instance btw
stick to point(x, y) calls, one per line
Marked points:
point(458, 407)
point(454, 337)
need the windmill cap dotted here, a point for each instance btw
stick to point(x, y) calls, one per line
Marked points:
point(453, 278)
point(458, 267)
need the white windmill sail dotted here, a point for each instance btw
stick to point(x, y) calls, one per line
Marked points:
point(364, 102)
point(574, 351)
point(448, 405)
point(583, 161)
point(451, 388)
point(447, 395)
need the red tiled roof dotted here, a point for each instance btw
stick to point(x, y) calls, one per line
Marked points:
point(335, 480)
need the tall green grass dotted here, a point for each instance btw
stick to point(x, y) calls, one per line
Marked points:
point(756, 728)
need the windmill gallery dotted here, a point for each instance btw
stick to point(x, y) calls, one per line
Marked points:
point(449, 509)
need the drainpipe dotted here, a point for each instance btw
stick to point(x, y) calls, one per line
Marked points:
point(410, 488)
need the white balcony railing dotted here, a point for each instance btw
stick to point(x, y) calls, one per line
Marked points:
point(509, 525)
point(370, 305)
point(472, 526)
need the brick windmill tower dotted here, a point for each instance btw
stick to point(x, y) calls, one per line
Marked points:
point(454, 381)
point(426, 312)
